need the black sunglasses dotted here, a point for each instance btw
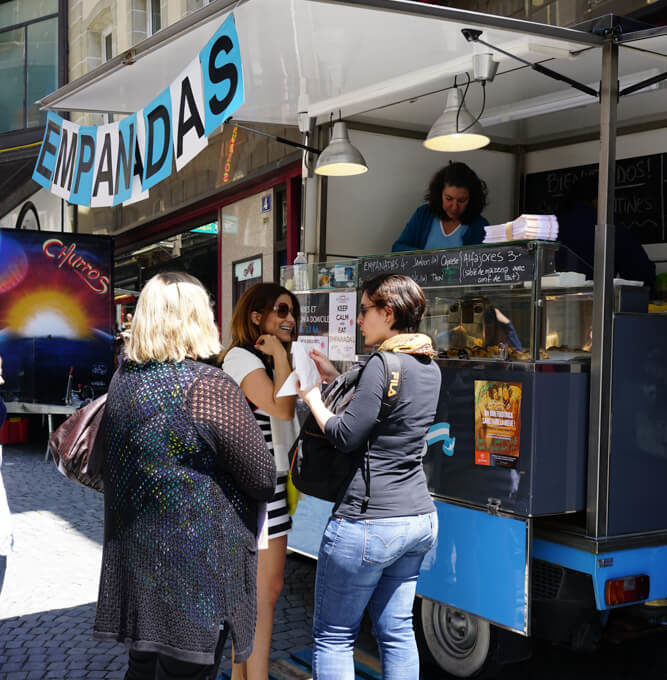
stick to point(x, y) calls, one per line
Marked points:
point(283, 309)
point(363, 310)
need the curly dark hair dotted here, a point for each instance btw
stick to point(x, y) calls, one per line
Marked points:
point(457, 175)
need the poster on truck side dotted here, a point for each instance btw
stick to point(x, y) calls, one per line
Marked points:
point(497, 423)
point(342, 325)
point(56, 316)
point(314, 323)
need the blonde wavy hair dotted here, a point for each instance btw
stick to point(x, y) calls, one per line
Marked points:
point(173, 321)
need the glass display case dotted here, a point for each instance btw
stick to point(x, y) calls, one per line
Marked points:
point(520, 301)
point(341, 274)
point(509, 301)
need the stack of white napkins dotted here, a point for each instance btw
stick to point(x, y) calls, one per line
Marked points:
point(543, 227)
point(497, 233)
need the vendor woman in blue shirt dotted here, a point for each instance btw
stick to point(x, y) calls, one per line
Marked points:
point(452, 215)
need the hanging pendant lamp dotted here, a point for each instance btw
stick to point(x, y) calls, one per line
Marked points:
point(340, 158)
point(444, 134)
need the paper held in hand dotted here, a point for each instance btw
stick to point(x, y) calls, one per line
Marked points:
point(305, 371)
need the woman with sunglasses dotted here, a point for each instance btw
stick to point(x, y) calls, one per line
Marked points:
point(372, 549)
point(264, 323)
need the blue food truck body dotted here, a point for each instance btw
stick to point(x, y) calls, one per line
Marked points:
point(515, 555)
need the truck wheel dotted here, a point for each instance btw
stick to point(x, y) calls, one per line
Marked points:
point(460, 644)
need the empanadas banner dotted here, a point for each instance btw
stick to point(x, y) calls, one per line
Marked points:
point(106, 165)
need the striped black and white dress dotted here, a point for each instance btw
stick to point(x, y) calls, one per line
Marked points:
point(279, 520)
point(237, 364)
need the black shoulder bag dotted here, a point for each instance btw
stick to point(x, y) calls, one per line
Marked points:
point(319, 469)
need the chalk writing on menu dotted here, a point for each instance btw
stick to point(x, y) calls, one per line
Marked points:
point(465, 266)
point(640, 200)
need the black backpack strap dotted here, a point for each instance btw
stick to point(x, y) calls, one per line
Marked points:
point(262, 357)
point(393, 379)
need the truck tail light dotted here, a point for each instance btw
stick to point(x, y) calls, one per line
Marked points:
point(626, 589)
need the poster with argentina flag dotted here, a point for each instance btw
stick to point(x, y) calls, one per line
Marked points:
point(118, 163)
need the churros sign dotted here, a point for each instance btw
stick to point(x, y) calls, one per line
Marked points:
point(67, 256)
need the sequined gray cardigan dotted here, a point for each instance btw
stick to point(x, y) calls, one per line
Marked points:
point(184, 468)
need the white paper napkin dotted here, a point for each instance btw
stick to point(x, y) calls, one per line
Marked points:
point(305, 371)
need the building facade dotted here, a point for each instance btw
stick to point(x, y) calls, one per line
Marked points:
point(33, 45)
point(229, 217)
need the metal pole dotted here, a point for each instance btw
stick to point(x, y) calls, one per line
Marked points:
point(603, 301)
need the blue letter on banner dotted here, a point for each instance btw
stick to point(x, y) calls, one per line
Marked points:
point(43, 172)
point(85, 166)
point(222, 75)
point(127, 131)
point(158, 152)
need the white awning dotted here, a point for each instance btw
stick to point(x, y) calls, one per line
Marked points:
point(374, 61)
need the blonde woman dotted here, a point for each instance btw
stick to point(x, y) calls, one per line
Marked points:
point(185, 468)
point(265, 321)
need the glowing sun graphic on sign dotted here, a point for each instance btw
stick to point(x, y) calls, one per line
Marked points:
point(47, 312)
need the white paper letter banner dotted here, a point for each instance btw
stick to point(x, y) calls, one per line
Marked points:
point(117, 163)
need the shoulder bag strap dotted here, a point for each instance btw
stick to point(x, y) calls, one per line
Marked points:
point(393, 378)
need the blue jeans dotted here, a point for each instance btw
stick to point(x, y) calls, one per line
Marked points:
point(372, 563)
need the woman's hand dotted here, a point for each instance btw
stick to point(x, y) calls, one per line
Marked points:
point(311, 395)
point(270, 345)
point(324, 366)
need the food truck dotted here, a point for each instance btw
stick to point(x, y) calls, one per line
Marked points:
point(548, 455)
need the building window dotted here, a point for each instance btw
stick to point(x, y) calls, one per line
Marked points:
point(29, 63)
point(107, 45)
point(154, 16)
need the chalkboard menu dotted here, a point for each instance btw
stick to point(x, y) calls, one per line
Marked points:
point(641, 193)
point(481, 265)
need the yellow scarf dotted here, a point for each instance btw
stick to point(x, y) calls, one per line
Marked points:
point(410, 343)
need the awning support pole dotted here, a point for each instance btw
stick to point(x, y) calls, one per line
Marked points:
point(644, 83)
point(599, 422)
point(275, 138)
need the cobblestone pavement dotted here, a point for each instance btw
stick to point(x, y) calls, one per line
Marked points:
point(47, 606)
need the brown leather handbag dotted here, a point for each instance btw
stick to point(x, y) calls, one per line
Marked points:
point(77, 447)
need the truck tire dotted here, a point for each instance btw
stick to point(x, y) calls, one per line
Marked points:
point(460, 644)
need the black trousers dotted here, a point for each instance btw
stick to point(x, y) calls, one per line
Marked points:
point(154, 666)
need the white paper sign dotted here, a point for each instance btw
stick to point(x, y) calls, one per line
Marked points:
point(106, 158)
point(66, 161)
point(137, 192)
point(187, 114)
point(342, 325)
point(318, 342)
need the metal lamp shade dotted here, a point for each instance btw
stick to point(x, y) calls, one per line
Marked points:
point(340, 158)
point(443, 135)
